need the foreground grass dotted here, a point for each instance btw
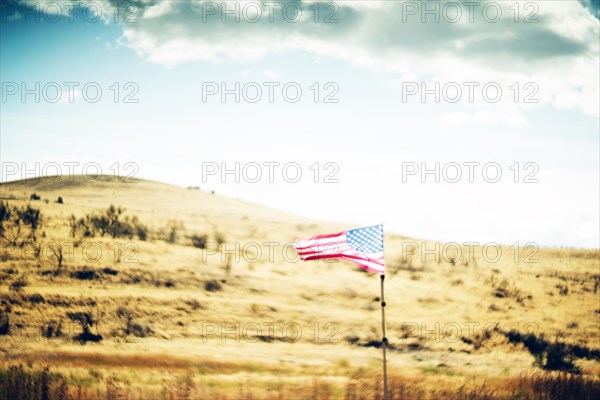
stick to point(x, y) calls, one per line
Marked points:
point(19, 382)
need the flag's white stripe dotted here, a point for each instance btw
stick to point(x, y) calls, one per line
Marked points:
point(373, 264)
point(326, 248)
point(337, 246)
point(319, 242)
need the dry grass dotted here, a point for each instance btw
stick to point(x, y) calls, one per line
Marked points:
point(176, 292)
point(18, 382)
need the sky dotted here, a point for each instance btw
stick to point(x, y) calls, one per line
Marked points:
point(453, 121)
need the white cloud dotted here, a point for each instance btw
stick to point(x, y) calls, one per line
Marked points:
point(270, 74)
point(508, 118)
point(158, 10)
point(69, 97)
point(559, 52)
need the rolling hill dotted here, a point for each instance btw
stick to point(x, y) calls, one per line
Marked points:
point(201, 296)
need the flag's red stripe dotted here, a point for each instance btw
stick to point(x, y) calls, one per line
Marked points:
point(319, 257)
point(331, 235)
point(323, 247)
point(330, 248)
point(301, 246)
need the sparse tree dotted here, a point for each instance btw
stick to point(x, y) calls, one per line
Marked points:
point(86, 320)
point(57, 251)
point(33, 217)
point(10, 224)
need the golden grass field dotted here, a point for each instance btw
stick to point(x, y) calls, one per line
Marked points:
point(178, 321)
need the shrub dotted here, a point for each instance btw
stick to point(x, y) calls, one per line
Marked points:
point(199, 241)
point(557, 359)
point(109, 221)
point(84, 225)
point(141, 230)
point(14, 219)
point(19, 283)
point(31, 216)
point(60, 200)
point(212, 285)
point(563, 290)
point(109, 271)
point(194, 304)
point(36, 298)
point(51, 329)
point(169, 282)
point(4, 322)
point(140, 330)
point(219, 238)
point(34, 196)
point(5, 216)
point(505, 289)
point(127, 315)
point(173, 229)
point(123, 228)
point(85, 319)
point(85, 274)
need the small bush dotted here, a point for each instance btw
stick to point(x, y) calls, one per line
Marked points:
point(199, 241)
point(563, 290)
point(173, 230)
point(51, 329)
point(139, 330)
point(4, 322)
point(170, 283)
point(212, 285)
point(34, 196)
point(85, 225)
point(219, 238)
point(19, 283)
point(109, 271)
point(85, 274)
point(60, 200)
point(127, 315)
point(505, 290)
point(36, 298)
point(194, 304)
point(141, 230)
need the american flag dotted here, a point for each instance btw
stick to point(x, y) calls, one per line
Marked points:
point(362, 246)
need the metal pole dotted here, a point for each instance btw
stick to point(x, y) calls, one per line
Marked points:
point(383, 341)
